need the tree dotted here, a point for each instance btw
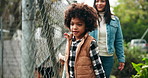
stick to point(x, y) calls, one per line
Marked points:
point(133, 17)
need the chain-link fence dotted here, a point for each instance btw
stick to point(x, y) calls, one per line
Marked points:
point(31, 37)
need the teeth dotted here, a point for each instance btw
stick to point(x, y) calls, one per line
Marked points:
point(75, 32)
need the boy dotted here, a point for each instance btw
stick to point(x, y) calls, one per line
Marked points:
point(81, 57)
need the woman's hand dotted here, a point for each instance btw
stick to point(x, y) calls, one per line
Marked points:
point(121, 66)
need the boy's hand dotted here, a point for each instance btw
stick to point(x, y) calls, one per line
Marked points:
point(121, 66)
point(61, 58)
point(66, 35)
point(62, 61)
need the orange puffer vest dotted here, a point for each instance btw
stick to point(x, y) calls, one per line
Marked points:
point(83, 66)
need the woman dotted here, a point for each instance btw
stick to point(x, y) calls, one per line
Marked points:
point(109, 36)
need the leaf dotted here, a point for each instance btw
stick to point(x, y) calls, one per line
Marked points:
point(137, 67)
point(146, 60)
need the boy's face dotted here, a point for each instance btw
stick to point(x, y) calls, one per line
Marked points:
point(77, 27)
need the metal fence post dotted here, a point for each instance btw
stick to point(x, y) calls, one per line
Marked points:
point(28, 40)
point(1, 48)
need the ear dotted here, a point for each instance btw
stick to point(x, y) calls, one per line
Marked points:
point(86, 29)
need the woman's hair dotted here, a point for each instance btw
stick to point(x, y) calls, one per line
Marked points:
point(107, 12)
point(83, 12)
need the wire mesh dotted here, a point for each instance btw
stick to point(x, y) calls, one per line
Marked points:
point(47, 30)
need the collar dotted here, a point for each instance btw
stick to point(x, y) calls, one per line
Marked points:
point(101, 14)
point(113, 17)
point(71, 37)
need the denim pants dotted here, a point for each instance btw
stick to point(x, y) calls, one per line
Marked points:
point(107, 63)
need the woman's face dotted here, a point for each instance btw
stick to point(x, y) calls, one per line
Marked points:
point(100, 5)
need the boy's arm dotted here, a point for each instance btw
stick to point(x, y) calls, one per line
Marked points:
point(96, 61)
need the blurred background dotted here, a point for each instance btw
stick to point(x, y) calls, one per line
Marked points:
point(31, 37)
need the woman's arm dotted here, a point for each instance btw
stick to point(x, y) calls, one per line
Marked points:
point(119, 46)
point(119, 43)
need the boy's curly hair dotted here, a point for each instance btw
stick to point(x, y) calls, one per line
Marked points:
point(84, 12)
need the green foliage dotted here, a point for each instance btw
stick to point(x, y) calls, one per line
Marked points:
point(131, 55)
point(133, 17)
point(141, 68)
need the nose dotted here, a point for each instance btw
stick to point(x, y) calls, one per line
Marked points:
point(75, 26)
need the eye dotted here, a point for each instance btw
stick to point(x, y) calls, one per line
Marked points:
point(103, 1)
point(97, 1)
point(79, 24)
point(100, 0)
point(71, 24)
